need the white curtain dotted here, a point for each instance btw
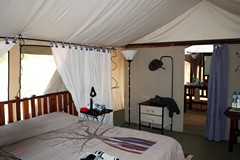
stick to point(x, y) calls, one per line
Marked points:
point(5, 47)
point(81, 69)
point(55, 84)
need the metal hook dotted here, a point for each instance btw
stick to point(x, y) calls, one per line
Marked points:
point(237, 68)
point(238, 54)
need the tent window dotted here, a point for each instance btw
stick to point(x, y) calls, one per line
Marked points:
point(4, 78)
point(37, 70)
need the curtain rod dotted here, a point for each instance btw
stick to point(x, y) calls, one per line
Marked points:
point(34, 45)
point(44, 40)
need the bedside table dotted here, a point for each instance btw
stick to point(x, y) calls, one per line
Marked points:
point(154, 116)
point(95, 114)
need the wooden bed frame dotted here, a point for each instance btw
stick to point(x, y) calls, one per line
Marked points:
point(26, 108)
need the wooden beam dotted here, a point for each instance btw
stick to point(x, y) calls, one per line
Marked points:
point(10, 113)
point(183, 43)
point(39, 104)
point(65, 102)
point(2, 115)
point(60, 103)
point(33, 107)
point(53, 103)
point(26, 109)
point(45, 105)
point(18, 109)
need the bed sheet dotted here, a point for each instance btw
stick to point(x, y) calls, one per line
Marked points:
point(83, 136)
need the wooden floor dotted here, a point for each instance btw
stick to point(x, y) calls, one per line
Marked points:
point(191, 139)
point(195, 119)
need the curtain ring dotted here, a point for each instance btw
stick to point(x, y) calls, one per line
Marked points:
point(6, 40)
point(51, 43)
point(63, 45)
point(15, 39)
point(56, 44)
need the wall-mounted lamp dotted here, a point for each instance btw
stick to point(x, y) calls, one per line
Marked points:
point(157, 63)
point(238, 67)
point(129, 55)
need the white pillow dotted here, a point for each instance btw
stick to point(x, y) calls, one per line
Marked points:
point(20, 130)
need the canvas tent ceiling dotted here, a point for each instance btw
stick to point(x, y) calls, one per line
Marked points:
point(202, 22)
point(119, 22)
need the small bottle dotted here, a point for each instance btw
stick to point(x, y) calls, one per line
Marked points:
point(238, 100)
point(238, 103)
point(234, 100)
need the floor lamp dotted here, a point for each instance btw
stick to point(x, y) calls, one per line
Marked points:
point(129, 55)
point(157, 63)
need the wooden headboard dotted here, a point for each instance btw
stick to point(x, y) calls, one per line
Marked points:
point(26, 108)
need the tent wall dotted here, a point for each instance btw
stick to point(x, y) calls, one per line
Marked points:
point(157, 82)
point(147, 84)
point(14, 70)
point(233, 77)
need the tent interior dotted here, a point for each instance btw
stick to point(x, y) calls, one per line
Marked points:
point(118, 23)
point(155, 28)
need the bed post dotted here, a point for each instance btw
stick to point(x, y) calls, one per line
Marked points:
point(2, 117)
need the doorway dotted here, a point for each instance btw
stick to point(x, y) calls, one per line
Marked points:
point(195, 88)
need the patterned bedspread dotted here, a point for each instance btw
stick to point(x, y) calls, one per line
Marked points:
point(7, 156)
point(70, 142)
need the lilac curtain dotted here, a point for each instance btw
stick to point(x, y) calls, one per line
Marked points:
point(217, 94)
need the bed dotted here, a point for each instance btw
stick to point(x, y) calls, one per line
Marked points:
point(61, 136)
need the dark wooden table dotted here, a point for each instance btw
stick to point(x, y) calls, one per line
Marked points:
point(189, 91)
point(95, 114)
point(234, 115)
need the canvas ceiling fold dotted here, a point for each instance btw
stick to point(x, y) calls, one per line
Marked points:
point(232, 6)
point(120, 22)
point(108, 22)
point(202, 22)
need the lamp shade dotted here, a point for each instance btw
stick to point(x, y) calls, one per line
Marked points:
point(129, 54)
point(155, 64)
point(93, 92)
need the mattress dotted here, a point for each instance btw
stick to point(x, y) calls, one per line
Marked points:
point(60, 136)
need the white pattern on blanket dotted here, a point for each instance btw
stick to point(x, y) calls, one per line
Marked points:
point(88, 136)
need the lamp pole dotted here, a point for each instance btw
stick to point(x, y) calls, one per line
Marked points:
point(129, 91)
point(129, 55)
point(172, 72)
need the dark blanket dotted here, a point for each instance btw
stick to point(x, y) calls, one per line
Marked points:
point(166, 101)
point(7, 156)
